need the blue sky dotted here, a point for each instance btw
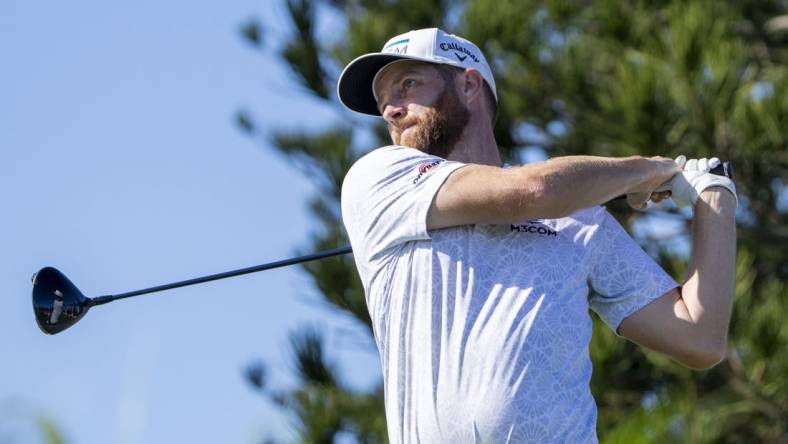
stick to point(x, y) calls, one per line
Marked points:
point(120, 164)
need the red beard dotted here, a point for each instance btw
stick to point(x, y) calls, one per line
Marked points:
point(440, 128)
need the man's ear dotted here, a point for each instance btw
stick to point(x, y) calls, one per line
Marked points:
point(473, 85)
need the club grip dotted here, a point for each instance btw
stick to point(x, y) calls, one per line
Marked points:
point(723, 169)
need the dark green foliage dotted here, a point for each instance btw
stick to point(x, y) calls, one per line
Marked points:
point(244, 122)
point(50, 431)
point(310, 361)
point(302, 52)
point(322, 406)
point(252, 32)
point(701, 78)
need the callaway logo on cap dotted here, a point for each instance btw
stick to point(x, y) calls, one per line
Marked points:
point(431, 45)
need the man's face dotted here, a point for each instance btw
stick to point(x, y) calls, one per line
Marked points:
point(423, 109)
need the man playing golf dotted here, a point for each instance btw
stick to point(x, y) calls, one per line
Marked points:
point(479, 278)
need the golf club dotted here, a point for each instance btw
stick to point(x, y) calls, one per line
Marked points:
point(58, 304)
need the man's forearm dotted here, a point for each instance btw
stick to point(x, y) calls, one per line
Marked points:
point(708, 290)
point(567, 184)
point(481, 194)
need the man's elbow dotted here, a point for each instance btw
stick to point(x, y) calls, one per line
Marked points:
point(705, 355)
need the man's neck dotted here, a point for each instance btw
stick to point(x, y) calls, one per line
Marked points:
point(477, 145)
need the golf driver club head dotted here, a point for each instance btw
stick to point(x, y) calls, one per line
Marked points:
point(57, 302)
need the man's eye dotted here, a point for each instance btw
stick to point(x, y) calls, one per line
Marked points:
point(408, 83)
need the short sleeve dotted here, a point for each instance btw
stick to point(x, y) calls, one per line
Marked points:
point(386, 196)
point(624, 277)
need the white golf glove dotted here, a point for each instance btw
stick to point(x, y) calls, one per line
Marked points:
point(685, 187)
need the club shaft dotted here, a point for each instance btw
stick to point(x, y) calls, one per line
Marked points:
point(271, 265)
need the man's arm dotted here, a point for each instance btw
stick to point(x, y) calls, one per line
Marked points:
point(691, 324)
point(479, 194)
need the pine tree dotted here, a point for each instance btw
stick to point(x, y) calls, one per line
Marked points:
point(701, 78)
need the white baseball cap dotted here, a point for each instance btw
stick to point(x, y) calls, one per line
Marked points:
point(431, 45)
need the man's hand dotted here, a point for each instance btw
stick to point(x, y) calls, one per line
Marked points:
point(686, 187)
point(665, 169)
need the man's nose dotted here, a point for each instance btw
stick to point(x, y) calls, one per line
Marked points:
point(393, 112)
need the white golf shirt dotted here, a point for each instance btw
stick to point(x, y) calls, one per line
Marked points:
point(483, 330)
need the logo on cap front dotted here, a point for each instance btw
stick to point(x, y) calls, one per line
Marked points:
point(398, 47)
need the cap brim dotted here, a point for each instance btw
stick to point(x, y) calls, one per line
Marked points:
point(355, 83)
